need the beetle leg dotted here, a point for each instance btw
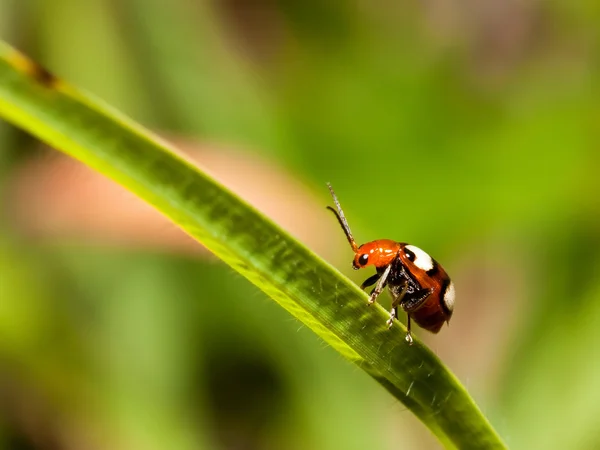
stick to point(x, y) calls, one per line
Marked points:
point(395, 302)
point(408, 337)
point(370, 281)
point(380, 285)
point(411, 302)
point(394, 313)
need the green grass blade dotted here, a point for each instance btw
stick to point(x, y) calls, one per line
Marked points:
point(306, 286)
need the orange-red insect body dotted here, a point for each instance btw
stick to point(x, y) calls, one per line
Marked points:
point(415, 280)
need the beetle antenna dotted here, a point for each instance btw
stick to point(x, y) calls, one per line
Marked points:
point(342, 219)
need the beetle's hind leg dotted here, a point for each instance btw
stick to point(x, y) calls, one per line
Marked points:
point(411, 303)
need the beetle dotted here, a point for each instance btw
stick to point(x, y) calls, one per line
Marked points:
point(416, 281)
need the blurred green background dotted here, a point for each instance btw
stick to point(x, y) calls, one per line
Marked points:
point(467, 128)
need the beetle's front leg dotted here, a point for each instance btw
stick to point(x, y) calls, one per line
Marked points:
point(369, 281)
point(380, 285)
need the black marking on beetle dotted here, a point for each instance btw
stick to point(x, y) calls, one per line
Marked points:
point(409, 254)
point(435, 269)
point(443, 294)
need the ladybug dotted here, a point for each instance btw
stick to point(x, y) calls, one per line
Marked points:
point(416, 281)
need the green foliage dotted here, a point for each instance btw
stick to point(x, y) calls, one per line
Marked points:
point(488, 141)
point(297, 279)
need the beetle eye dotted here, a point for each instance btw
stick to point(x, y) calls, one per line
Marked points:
point(409, 254)
point(364, 258)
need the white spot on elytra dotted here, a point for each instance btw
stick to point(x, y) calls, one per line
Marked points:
point(449, 297)
point(422, 260)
